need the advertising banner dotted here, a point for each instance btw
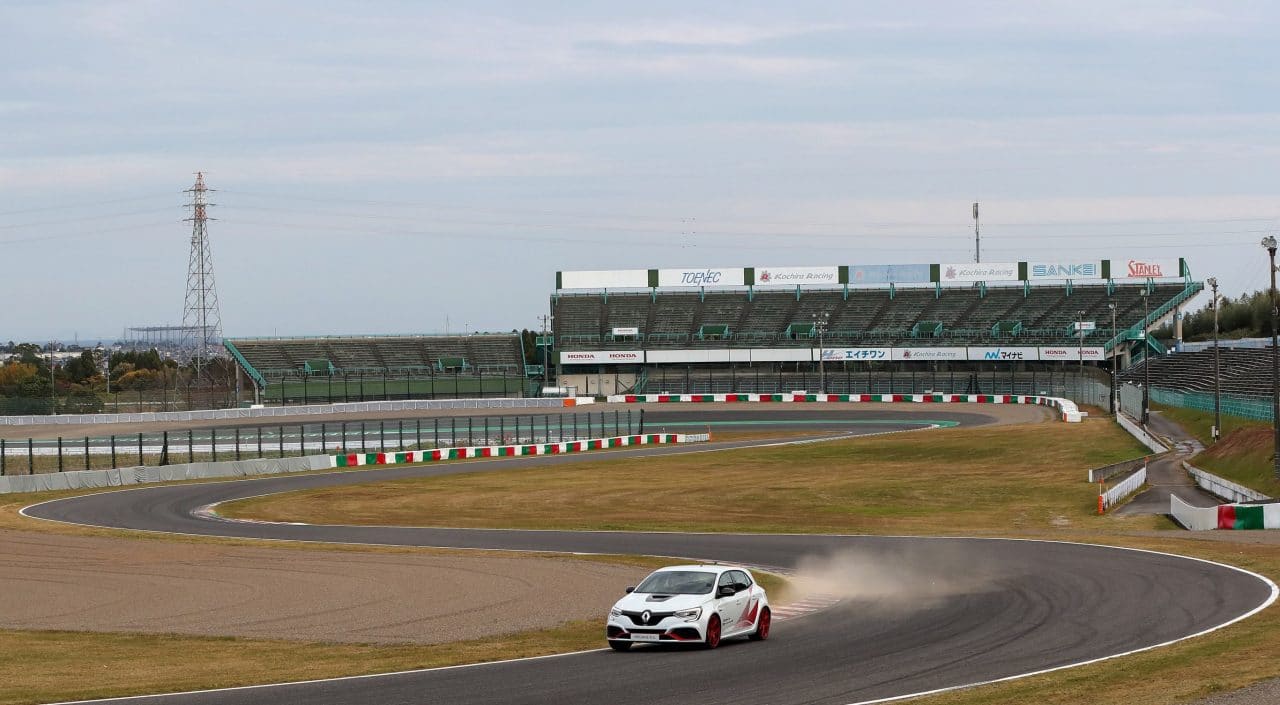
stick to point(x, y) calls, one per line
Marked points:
point(626, 331)
point(1147, 269)
point(984, 272)
point(688, 356)
point(1078, 326)
point(602, 357)
point(929, 354)
point(1064, 270)
point(855, 354)
point(604, 279)
point(783, 354)
point(1004, 354)
point(709, 276)
point(888, 274)
point(1072, 353)
point(803, 276)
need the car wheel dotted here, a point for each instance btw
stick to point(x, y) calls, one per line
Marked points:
point(620, 645)
point(762, 626)
point(713, 632)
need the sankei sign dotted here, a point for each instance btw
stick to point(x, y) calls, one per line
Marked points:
point(709, 276)
point(1064, 270)
point(1151, 269)
point(597, 357)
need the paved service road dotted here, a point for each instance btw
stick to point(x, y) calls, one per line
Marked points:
point(918, 614)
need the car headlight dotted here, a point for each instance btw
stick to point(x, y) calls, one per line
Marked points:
point(689, 615)
point(615, 612)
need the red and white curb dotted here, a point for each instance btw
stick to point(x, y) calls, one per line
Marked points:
point(1068, 411)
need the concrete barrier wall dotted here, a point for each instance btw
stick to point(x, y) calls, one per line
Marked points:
point(88, 479)
point(1193, 518)
point(1222, 487)
point(1141, 434)
point(311, 409)
point(1068, 411)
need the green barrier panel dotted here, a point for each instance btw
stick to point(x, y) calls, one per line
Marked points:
point(1249, 517)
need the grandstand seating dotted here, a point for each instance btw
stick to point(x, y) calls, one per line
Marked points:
point(1038, 315)
point(1244, 372)
point(485, 352)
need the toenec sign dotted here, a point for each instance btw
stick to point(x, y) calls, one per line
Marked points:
point(602, 357)
point(1064, 270)
point(984, 272)
point(708, 277)
point(855, 354)
point(1004, 354)
point(801, 276)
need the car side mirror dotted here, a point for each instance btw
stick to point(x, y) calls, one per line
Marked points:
point(631, 589)
point(726, 591)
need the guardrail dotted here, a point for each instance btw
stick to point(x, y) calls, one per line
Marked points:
point(272, 411)
point(1221, 487)
point(1191, 517)
point(1232, 517)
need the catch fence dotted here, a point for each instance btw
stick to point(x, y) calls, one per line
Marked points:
point(31, 455)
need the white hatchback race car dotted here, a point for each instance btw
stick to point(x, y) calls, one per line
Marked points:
point(694, 604)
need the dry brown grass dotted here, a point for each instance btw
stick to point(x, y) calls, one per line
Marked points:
point(960, 480)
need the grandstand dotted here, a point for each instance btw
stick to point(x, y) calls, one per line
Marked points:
point(1035, 315)
point(737, 335)
point(1244, 372)
point(358, 368)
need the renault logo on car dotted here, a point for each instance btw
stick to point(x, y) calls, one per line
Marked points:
point(645, 616)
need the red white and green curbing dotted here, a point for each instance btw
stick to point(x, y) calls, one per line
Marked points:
point(350, 460)
point(1067, 409)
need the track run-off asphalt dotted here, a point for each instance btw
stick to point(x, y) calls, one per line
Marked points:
point(918, 614)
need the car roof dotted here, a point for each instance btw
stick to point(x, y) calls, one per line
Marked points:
point(717, 567)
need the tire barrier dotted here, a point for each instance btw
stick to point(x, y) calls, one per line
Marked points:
point(510, 451)
point(1068, 411)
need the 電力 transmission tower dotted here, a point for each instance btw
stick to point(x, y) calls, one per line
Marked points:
point(200, 318)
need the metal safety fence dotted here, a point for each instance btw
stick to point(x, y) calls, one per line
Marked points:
point(33, 455)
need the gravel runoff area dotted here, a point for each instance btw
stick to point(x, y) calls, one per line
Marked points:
point(101, 584)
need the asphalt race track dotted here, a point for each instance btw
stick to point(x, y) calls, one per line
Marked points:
point(919, 614)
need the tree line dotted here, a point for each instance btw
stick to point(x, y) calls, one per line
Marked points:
point(1247, 316)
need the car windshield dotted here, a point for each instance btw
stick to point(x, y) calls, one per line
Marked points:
point(678, 582)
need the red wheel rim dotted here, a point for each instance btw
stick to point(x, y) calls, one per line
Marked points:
point(765, 620)
point(713, 632)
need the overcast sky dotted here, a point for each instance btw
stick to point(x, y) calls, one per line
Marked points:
point(390, 166)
